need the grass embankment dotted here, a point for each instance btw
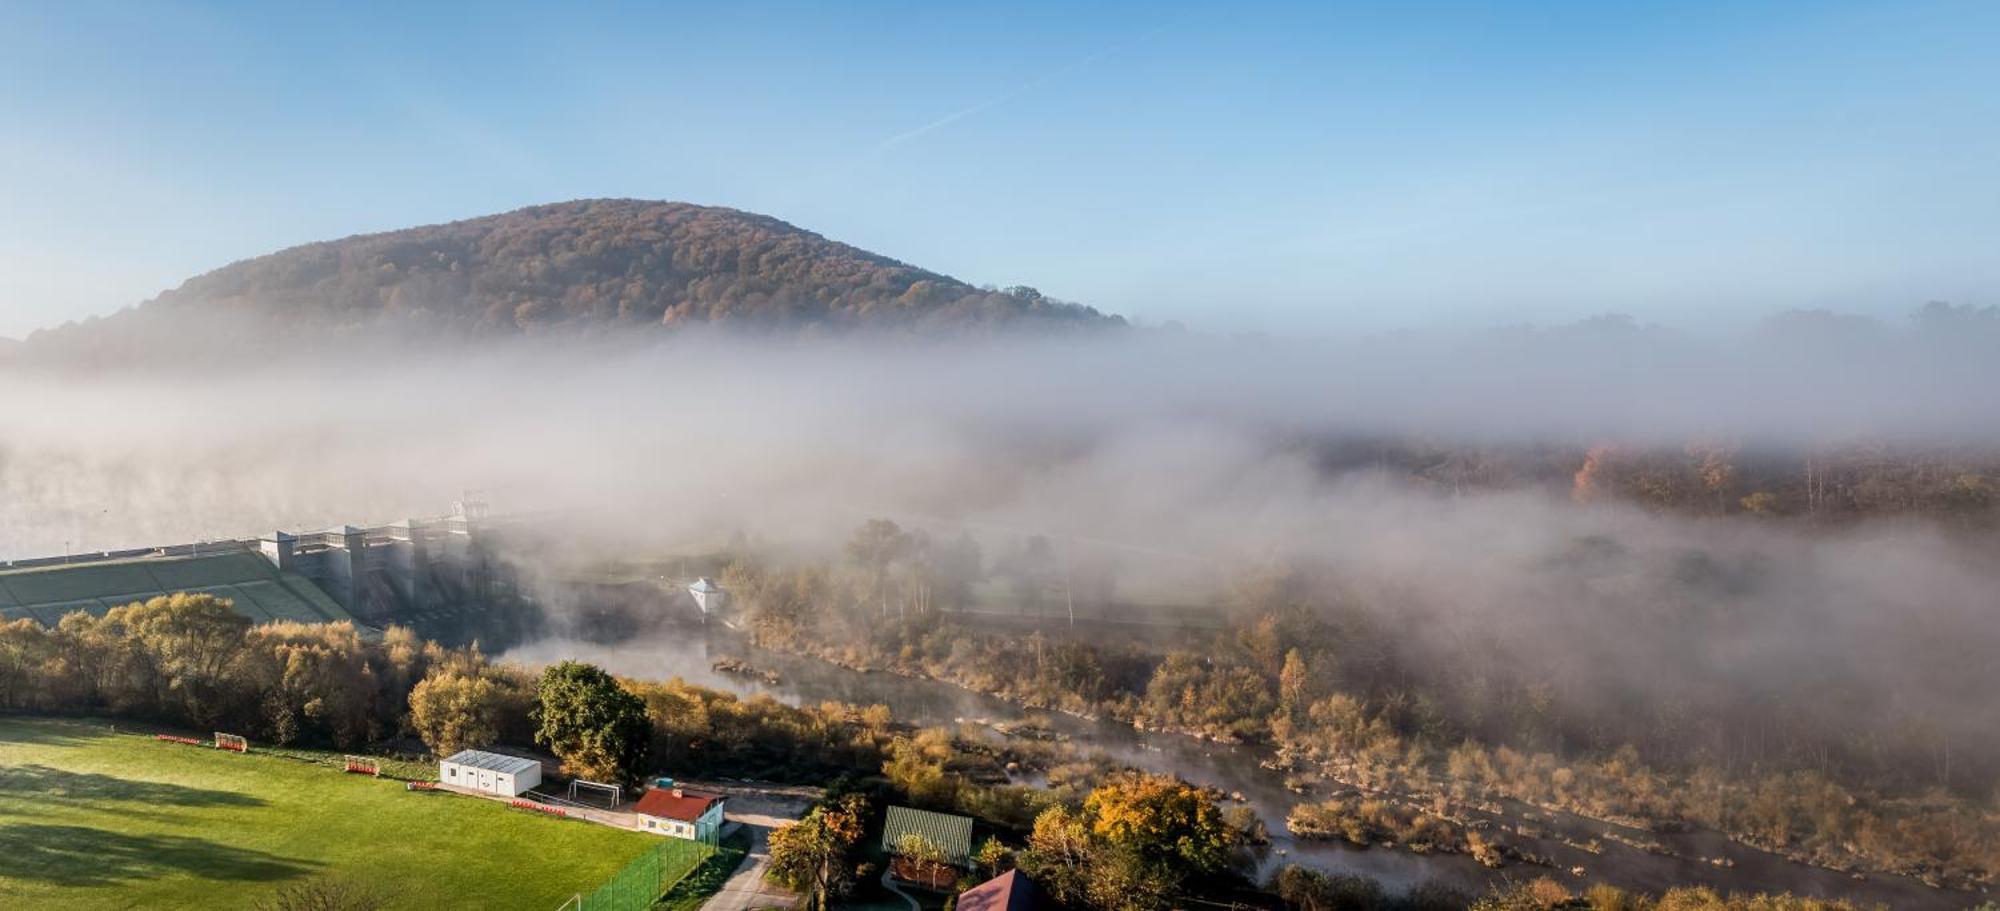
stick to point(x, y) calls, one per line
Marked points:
point(95, 819)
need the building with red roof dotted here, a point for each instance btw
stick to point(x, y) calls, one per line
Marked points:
point(1010, 891)
point(680, 814)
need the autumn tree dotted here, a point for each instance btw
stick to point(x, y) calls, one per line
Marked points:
point(454, 709)
point(190, 640)
point(915, 846)
point(925, 857)
point(1716, 469)
point(1760, 503)
point(1122, 879)
point(1129, 848)
point(1593, 481)
point(917, 767)
point(1081, 868)
point(1162, 818)
point(1060, 850)
point(592, 724)
point(779, 604)
point(992, 855)
point(1294, 681)
point(319, 677)
point(816, 854)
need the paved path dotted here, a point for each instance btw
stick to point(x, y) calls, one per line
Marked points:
point(759, 810)
point(889, 883)
point(747, 889)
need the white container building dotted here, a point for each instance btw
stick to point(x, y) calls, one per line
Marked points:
point(493, 773)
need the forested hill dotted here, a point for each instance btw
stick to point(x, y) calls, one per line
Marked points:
point(603, 264)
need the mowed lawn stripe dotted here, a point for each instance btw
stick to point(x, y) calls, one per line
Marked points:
point(92, 819)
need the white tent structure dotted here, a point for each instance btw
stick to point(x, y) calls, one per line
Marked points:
point(493, 773)
point(707, 595)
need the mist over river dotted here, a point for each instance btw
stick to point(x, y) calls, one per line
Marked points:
point(1235, 770)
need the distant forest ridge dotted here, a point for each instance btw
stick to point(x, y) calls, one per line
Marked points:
point(602, 264)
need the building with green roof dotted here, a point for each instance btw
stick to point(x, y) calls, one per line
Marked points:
point(951, 833)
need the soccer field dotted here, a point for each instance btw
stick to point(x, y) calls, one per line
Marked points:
point(92, 819)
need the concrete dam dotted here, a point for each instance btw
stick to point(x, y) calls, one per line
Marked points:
point(371, 575)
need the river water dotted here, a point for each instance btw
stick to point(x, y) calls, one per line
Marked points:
point(687, 653)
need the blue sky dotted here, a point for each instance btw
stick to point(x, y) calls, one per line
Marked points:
point(1262, 166)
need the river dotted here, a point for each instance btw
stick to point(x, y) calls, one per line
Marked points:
point(687, 653)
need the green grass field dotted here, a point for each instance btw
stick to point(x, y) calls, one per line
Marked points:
point(93, 819)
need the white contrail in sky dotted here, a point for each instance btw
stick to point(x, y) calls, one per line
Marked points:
point(892, 142)
point(953, 117)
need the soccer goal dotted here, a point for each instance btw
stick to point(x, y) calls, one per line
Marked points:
point(235, 743)
point(364, 765)
point(615, 792)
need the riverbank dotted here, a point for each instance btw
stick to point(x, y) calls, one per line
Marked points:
point(1238, 769)
point(1580, 848)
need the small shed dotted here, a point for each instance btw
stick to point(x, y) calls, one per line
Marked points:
point(492, 773)
point(707, 595)
point(951, 833)
point(680, 814)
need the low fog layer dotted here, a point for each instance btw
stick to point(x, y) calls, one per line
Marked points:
point(1186, 442)
point(1189, 461)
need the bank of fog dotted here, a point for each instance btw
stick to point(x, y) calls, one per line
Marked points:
point(1736, 641)
point(1175, 462)
point(700, 430)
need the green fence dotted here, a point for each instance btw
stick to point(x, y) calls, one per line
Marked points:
point(648, 877)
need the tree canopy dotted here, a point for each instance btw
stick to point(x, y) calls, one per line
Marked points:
point(1162, 818)
point(457, 708)
point(816, 854)
point(598, 730)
